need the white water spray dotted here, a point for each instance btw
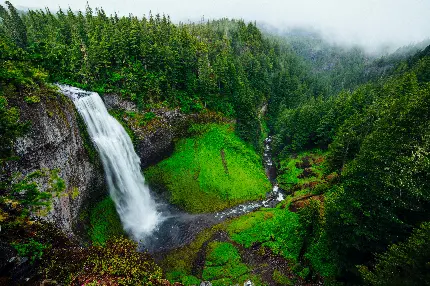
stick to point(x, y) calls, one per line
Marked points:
point(127, 188)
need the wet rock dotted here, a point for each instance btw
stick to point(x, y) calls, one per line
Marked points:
point(54, 141)
point(206, 283)
point(248, 283)
point(114, 101)
point(155, 140)
point(7, 257)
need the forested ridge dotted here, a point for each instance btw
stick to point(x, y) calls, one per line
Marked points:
point(224, 65)
point(351, 136)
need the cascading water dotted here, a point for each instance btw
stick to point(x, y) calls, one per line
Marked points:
point(135, 206)
point(160, 226)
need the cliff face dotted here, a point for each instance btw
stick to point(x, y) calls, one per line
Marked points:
point(57, 140)
point(155, 140)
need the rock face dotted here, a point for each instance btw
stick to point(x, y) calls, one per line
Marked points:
point(55, 142)
point(155, 140)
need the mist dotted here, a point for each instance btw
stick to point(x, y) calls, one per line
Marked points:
point(371, 24)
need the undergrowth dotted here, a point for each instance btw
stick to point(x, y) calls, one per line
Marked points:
point(302, 171)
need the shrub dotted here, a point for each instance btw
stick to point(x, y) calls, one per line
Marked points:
point(32, 249)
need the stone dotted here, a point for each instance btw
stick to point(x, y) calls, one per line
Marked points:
point(156, 140)
point(54, 141)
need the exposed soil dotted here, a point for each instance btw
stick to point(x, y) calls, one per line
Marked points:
point(224, 161)
point(299, 203)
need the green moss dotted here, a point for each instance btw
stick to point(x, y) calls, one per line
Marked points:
point(221, 253)
point(32, 99)
point(277, 229)
point(211, 171)
point(182, 277)
point(105, 222)
point(32, 249)
point(120, 115)
point(182, 259)
point(86, 139)
point(223, 264)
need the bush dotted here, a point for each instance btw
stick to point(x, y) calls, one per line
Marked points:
point(32, 249)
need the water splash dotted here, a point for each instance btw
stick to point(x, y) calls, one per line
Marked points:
point(135, 206)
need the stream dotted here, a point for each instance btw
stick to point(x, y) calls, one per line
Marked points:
point(180, 228)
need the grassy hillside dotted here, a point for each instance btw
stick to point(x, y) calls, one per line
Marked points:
point(210, 171)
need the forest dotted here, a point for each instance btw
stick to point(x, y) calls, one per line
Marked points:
point(350, 142)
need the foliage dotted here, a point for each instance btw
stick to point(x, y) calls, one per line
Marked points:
point(277, 229)
point(120, 260)
point(10, 129)
point(32, 99)
point(225, 65)
point(381, 207)
point(303, 170)
point(377, 135)
point(32, 249)
point(316, 122)
point(377, 139)
point(210, 171)
point(105, 222)
point(23, 195)
point(117, 263)
point(405, 263)
point(339, 67)
point(317, 253)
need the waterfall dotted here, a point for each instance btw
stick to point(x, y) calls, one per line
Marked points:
point(135, 206)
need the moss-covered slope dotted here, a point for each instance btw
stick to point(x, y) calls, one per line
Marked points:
point(210, 171)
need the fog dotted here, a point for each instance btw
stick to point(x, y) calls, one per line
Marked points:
point(373, 24)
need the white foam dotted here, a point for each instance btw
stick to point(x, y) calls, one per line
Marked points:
point(135, 206)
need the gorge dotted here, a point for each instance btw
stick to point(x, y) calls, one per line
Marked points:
point(135, 206)
point(139, 151)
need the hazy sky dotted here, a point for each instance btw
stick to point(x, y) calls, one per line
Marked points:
point(371, 23)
